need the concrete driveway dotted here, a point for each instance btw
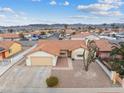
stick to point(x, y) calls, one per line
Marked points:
point(25, 77)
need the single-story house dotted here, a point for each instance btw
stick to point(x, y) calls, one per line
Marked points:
point(48, 51)
point(9, 48)
point(10, 37)
point(105, 47)
point(81, 37)
point(84, 35)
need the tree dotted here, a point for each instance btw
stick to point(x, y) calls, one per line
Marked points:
point(21, 35)
point(65, 26)
point(10, 30)
point(118, 51)
point(89, 55)
point(43, 33)
point(73, 33)
point(118, 64)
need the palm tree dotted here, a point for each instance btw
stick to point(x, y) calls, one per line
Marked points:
point(90, 55)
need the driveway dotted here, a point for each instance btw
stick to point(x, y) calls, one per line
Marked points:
point(25, 77)
point(79, 78)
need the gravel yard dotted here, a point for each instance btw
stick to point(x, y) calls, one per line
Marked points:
point(78, 78)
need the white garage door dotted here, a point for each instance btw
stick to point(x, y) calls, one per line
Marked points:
point(41, 61)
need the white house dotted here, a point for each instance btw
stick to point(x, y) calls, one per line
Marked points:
point(82, 37)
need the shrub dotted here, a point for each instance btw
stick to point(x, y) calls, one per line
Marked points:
point(118, 66)
point(52, 81)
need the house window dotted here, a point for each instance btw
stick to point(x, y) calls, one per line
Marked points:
point(80, 55)
point(10, 50)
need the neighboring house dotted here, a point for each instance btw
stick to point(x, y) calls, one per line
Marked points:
point(104, 48)
point(84, 35)
point(120, 35)
point(10, 36)
point(9, 48)
point(70, 31)
point(107, 37)
point(27, 36)
point(92, 37)
point(2, 53)
point(49, 51)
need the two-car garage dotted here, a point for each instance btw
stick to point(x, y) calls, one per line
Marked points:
point(39, 61)
point(41, 58)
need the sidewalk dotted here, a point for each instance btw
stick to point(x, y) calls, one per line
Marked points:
point(4, 68)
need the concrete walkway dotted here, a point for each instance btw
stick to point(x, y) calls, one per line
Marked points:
point(69, 67)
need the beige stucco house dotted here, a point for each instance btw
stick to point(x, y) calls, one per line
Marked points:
point(49, 51)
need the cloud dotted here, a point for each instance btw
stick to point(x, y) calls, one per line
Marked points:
point(96, 7)
point(82, 17)
point(2, 16)
point(9, 16)
point(53, 3)
point(109, 13)
point(103, 7)
point(6, 10)
point(36, 0)
point(119, 2)
point(66, 3)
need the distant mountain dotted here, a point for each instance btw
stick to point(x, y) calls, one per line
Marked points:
point(48, 26)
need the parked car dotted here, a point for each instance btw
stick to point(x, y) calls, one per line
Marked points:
point(34, 37)
point(42, 36)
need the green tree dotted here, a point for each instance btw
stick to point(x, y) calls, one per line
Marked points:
point(118, 50)
point(118, 64)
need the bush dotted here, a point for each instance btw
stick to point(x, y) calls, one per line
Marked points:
point(52, 81)
point(118, 66)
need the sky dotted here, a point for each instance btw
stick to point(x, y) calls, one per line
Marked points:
point(24, 12)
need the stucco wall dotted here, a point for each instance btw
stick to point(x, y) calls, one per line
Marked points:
point(76, 52)
point(77, 38)
point(104, 54)
point(41, 54)
point(15, 48)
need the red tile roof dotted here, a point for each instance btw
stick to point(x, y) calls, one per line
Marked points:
point(10, 35)
point(81, 35)
point(55, 46)
point(7, 44)
point(103, 45)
